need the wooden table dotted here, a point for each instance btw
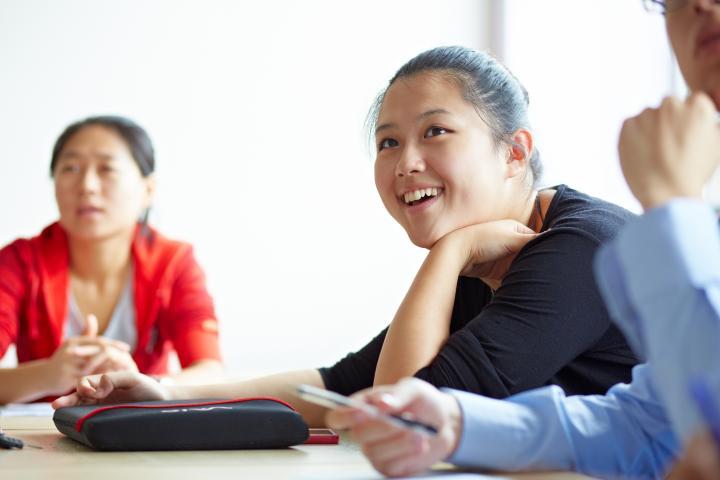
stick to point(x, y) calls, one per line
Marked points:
point(48, 455)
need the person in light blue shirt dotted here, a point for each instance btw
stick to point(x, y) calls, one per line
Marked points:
point(660, 279)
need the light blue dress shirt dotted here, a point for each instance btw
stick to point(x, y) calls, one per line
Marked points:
point(661, 281)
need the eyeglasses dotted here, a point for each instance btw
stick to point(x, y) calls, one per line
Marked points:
point(667, 6)
point(663, 6)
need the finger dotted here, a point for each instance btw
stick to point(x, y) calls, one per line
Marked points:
point(110, 382)
point(117, 344)
point(91, 326)
point(122, 360)
point(702, 100)
point(375, 430)
point(407, 465)
point(400, 445)
point(398, 398)
point(88, 386)
point(670, 103)
point(102, 341)
point(93, 363)
point(66, 401)
point(84, 351)
point(715, 97)
point(344, 418)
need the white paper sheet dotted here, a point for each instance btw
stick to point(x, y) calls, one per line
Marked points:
point(26, 410)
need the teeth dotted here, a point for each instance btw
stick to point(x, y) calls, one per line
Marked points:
point(416, 195)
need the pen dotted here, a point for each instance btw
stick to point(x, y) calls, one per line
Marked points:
point(330, 399)
point(707, 405)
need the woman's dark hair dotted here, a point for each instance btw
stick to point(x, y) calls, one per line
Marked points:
point(499, 98)
point(133, 134)
point(135, 137)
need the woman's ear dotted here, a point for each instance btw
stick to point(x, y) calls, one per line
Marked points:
point(150, 187)
point(520, 152)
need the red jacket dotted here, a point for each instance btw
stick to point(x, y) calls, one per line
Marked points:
point(173, 309)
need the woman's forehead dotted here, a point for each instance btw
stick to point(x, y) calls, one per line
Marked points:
point(421, 92)
point(95, 138)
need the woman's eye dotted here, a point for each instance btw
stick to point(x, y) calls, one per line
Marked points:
point(69, 169)
point(435, 131)
point(387, 143)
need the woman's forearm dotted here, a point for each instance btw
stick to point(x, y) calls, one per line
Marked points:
point(202, 371)
point(422, 323)
point(281, 386)
point(25, 383)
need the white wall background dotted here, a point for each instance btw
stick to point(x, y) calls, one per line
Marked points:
point(587, 65)
point(256, 110)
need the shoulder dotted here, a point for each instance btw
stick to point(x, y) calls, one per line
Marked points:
point(155, 253)
point(580, 214)
point(32, 250)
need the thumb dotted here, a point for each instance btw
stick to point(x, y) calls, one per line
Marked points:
point(524, 229)
point(91, 326)
point(397, 397)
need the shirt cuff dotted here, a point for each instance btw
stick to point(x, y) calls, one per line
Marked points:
point(497, 433)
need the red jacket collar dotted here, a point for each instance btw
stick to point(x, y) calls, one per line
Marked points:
point(54, 270)
point(55, 273)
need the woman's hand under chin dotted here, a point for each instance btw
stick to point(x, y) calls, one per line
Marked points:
point(488, 249)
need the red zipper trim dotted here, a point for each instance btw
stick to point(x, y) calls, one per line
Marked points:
point(81, 421)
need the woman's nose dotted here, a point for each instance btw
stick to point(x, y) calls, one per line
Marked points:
point(411, 162)
point(90, 180)
point(701, 6)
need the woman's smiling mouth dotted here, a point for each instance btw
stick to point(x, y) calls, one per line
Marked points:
point(420, 195)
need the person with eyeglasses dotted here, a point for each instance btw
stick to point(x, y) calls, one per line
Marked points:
point(660, 278)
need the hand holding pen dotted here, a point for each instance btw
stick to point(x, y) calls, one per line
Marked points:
point(330, 399)
point(392, 447)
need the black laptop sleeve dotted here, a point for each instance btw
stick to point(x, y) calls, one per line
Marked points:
point(249, 423)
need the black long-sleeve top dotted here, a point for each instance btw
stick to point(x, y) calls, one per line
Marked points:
point(546, 324)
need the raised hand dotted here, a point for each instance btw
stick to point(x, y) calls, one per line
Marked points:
point(670, 151)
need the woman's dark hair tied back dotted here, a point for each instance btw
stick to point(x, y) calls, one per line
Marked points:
point(137, 141)
point(498, 96)
point(134, 135)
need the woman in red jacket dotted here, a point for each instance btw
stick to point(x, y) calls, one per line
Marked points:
point(100, 290)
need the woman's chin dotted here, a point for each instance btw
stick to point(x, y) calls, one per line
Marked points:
point(425, 240)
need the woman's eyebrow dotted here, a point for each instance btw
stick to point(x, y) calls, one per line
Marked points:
point(434, 111)
point(427, 113)
point(68, 155)
point(74, 155)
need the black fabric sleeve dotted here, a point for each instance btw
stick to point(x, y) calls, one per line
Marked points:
point(547, 312)
point(356, 370)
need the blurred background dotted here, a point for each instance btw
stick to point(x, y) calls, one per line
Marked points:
point(257, 109)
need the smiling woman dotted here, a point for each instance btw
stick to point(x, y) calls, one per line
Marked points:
point(495, 308)
point(80, 297)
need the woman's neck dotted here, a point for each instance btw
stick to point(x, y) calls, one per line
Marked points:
point(536, 208)
point(97, 261)
point(527, 212)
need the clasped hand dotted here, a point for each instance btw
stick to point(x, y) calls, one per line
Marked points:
point(486, 250)
point(85, 355)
